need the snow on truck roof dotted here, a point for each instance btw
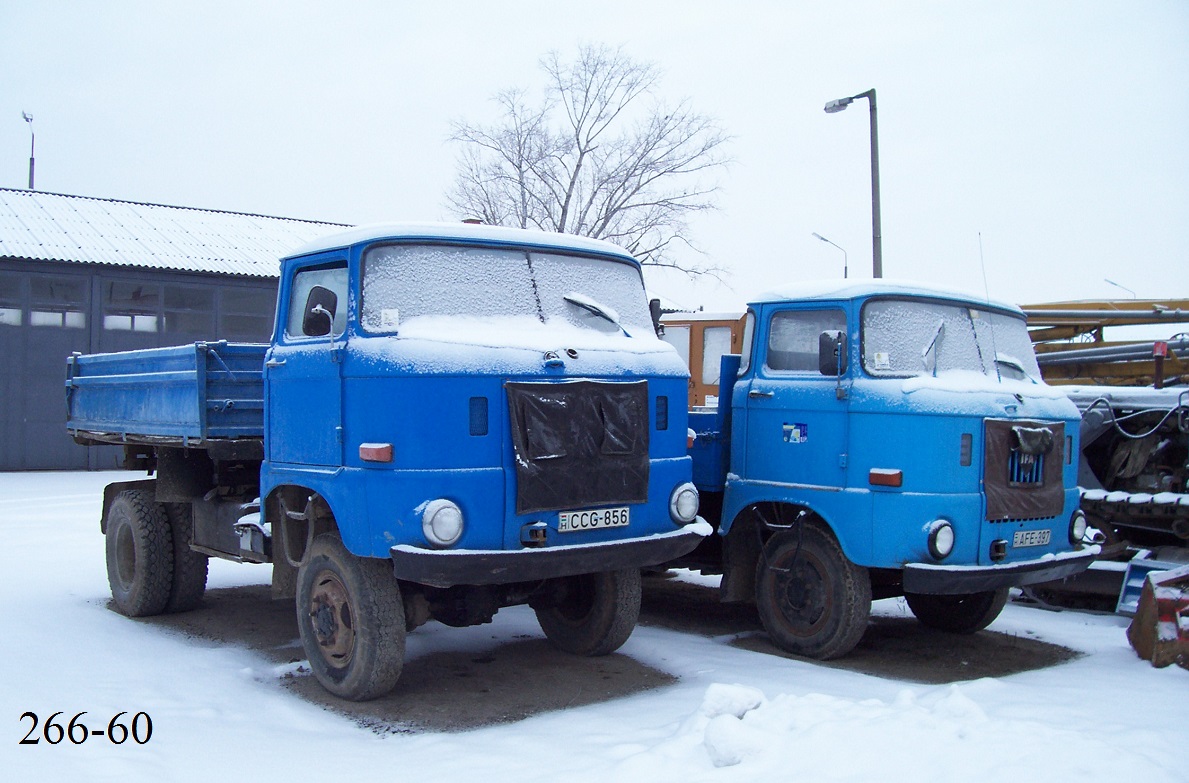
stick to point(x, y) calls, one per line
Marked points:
point(853, 289)
point(464, 232)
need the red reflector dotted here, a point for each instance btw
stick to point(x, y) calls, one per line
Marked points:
point(375, 452)
point(885, 477)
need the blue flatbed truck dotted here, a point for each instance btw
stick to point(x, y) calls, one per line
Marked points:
point(880, 439)
point(449, 419)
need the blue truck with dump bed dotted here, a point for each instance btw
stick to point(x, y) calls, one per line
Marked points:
point(880, 439)
point(449, 419)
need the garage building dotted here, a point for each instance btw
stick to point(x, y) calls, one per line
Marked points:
point(97, 275)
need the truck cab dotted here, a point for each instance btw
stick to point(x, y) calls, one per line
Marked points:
point(510, 381)
point(884, 439)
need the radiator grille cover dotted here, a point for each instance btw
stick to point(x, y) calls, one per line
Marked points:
point(1022, 468)
point(579, 444)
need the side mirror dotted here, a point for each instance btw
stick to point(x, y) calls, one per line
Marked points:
point(831, 352)
point(321, 305)
point(654, 309)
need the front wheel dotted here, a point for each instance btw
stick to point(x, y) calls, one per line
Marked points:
point(351, 620)
point(964, 613)
point(812, 600)
point(590, 614)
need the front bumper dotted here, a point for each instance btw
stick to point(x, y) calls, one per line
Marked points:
point(957, 580)
point(447, 567)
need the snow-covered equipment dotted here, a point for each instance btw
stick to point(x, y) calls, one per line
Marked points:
point(1160, 630)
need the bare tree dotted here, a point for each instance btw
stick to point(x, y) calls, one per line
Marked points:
point(600, 155)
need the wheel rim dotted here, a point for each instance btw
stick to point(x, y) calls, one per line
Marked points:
point(125, 556)
point(802, 594)
point(577, 600)
point(330, 619)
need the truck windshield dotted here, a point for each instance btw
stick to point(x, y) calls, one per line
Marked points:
point(914, 337)
point(483, 284)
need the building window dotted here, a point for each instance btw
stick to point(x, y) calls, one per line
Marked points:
point(10, 300)
point(131, 307)
point(190, 311)
point(246, 314)
point(57, 302)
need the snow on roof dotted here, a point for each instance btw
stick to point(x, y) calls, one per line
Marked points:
point(847, 289)
point(40, 226)
point(466, 232)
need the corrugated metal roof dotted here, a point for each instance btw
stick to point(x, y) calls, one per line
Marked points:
point(40, 226)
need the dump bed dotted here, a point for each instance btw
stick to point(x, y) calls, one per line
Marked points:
point(189, 395)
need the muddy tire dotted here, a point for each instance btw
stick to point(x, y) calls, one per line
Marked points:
point(812, 600)
point(590, 614)
point(351, 620)
point(965, 613)
point(189, 567)
point(139, 554)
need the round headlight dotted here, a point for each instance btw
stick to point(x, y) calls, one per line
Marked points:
point(683, 503)
point(941, 539)
point(441, 521)
point(1077, 527)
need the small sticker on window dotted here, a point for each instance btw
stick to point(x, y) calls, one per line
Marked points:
point(883, 360)
point(389, 318)
point(796, 433)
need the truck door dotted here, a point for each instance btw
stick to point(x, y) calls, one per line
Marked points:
point(303, 367)
point(796, 421)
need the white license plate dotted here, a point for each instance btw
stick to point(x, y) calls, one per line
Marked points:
point(594, 519)
point(1031, 538)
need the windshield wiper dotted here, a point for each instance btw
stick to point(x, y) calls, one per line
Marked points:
point(1007, 361)
point(595, 308)
point(937, 334)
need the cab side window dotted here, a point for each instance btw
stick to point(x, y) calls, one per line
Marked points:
point(318, 302)
point(793, 338)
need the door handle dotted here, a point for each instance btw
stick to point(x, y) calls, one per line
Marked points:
point(275, 363)
point(755, 395)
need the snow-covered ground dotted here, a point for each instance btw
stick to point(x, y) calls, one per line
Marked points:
point(734, 715)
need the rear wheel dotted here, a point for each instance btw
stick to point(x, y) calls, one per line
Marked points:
point(139, 551)
point(964, 613)
point(189, 567)
point(812, 600)
point(351, 620)
point(590, 614)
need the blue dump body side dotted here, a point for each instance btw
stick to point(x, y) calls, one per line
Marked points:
point(189, 394)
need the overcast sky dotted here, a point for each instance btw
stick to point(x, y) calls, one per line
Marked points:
point(1059, 131)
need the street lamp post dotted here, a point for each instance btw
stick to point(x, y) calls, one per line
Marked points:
point(876, 233)
point(840, 247)
point(32, 142)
